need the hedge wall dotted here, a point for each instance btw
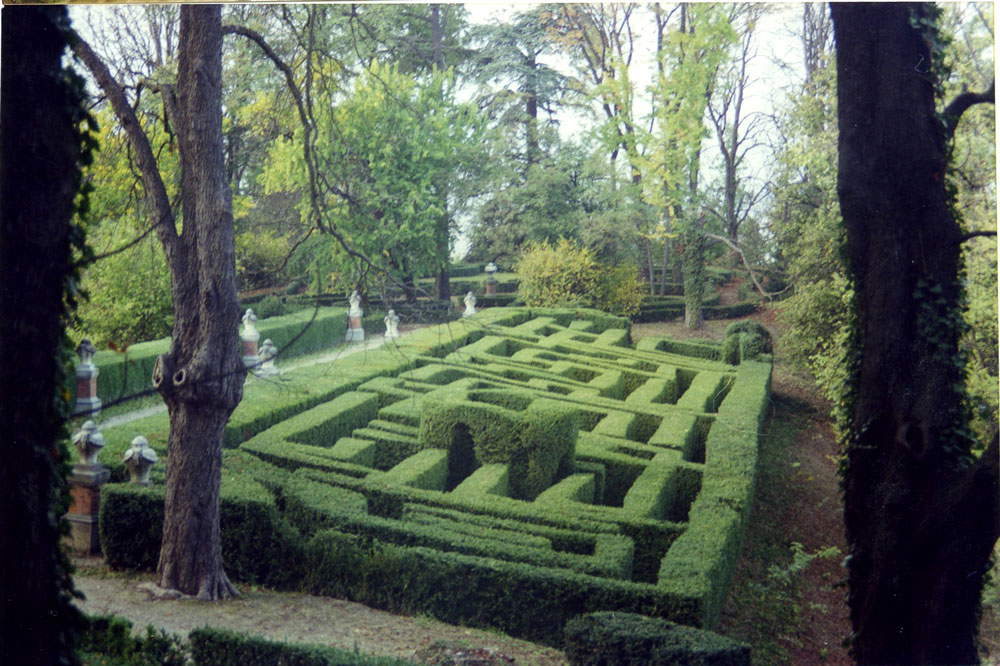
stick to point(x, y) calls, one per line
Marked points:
point(222, 647)
point(604, 638)
point(513, 469)
point(122, 375)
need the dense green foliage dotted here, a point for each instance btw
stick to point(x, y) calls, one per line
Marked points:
point(566, 274)
point(108, 639)
point(227, 648)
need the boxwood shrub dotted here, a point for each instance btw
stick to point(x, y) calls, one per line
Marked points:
point(399, 477)
point(223, 647)
point(605, 638)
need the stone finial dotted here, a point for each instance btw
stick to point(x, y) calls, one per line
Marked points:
point(470, 304)
point(250, 326)
point(85, 483)
point(89, 441)
point(491, 280)
point(391, 324)
point(86, 350)
point(249, 337)
point(268, 352)
point(139, 458)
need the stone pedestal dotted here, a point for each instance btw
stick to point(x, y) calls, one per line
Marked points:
point(85, 492)
point(250, 357)
point(250, 336)
point(87, 401)
point(491, 286)
point(355, 332)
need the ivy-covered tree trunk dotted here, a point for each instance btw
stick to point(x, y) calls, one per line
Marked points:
point(692, 259)
point(201, 378)
point(40, 151)
point(921, 512)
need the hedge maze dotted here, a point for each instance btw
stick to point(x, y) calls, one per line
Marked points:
point(513, 470)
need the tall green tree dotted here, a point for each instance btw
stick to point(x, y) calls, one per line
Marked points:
point(738, 132)
point(393, 152)
point(921, 511)
point(512, 58)
point(687, 73)
point(805, 213)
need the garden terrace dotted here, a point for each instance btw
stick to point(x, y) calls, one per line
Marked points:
point(514, 469)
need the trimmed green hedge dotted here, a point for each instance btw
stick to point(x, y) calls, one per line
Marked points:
point(402, 477)
point(523, 600)
point(701, 561)
point(125, 374)
point(111, 638)
point(222, 647)
point(605, 638)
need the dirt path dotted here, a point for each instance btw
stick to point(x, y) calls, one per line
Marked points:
point(294, 617)
point(786, 598)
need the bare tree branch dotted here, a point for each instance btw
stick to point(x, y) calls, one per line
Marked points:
point(753, 276)
point(163, 212)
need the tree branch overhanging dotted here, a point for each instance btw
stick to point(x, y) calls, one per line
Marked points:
point(145, 160)
point(976, 234)
point(958, 106)
point(753, 276)
point(308, 129)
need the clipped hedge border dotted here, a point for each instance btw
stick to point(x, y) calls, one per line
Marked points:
point(222, 647)
point(121, 375)
point(627, 639)
point(690, 599)
point(701, 561)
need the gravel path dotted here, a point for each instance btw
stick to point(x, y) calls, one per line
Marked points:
point(294, 617)
point(371, 343)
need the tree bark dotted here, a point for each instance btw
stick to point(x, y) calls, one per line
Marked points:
point(692, 260)
point(201, 378)
point(921, 516)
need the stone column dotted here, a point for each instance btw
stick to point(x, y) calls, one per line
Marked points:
point(87, 401)
point(85, 491)
point(250, 337)
point(491, 281)
point(355, 331)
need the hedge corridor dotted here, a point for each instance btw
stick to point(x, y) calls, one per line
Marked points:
point(515, 469)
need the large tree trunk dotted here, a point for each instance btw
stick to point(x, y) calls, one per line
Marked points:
point(201, 379)
point(39, 178)
point(921, 517)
